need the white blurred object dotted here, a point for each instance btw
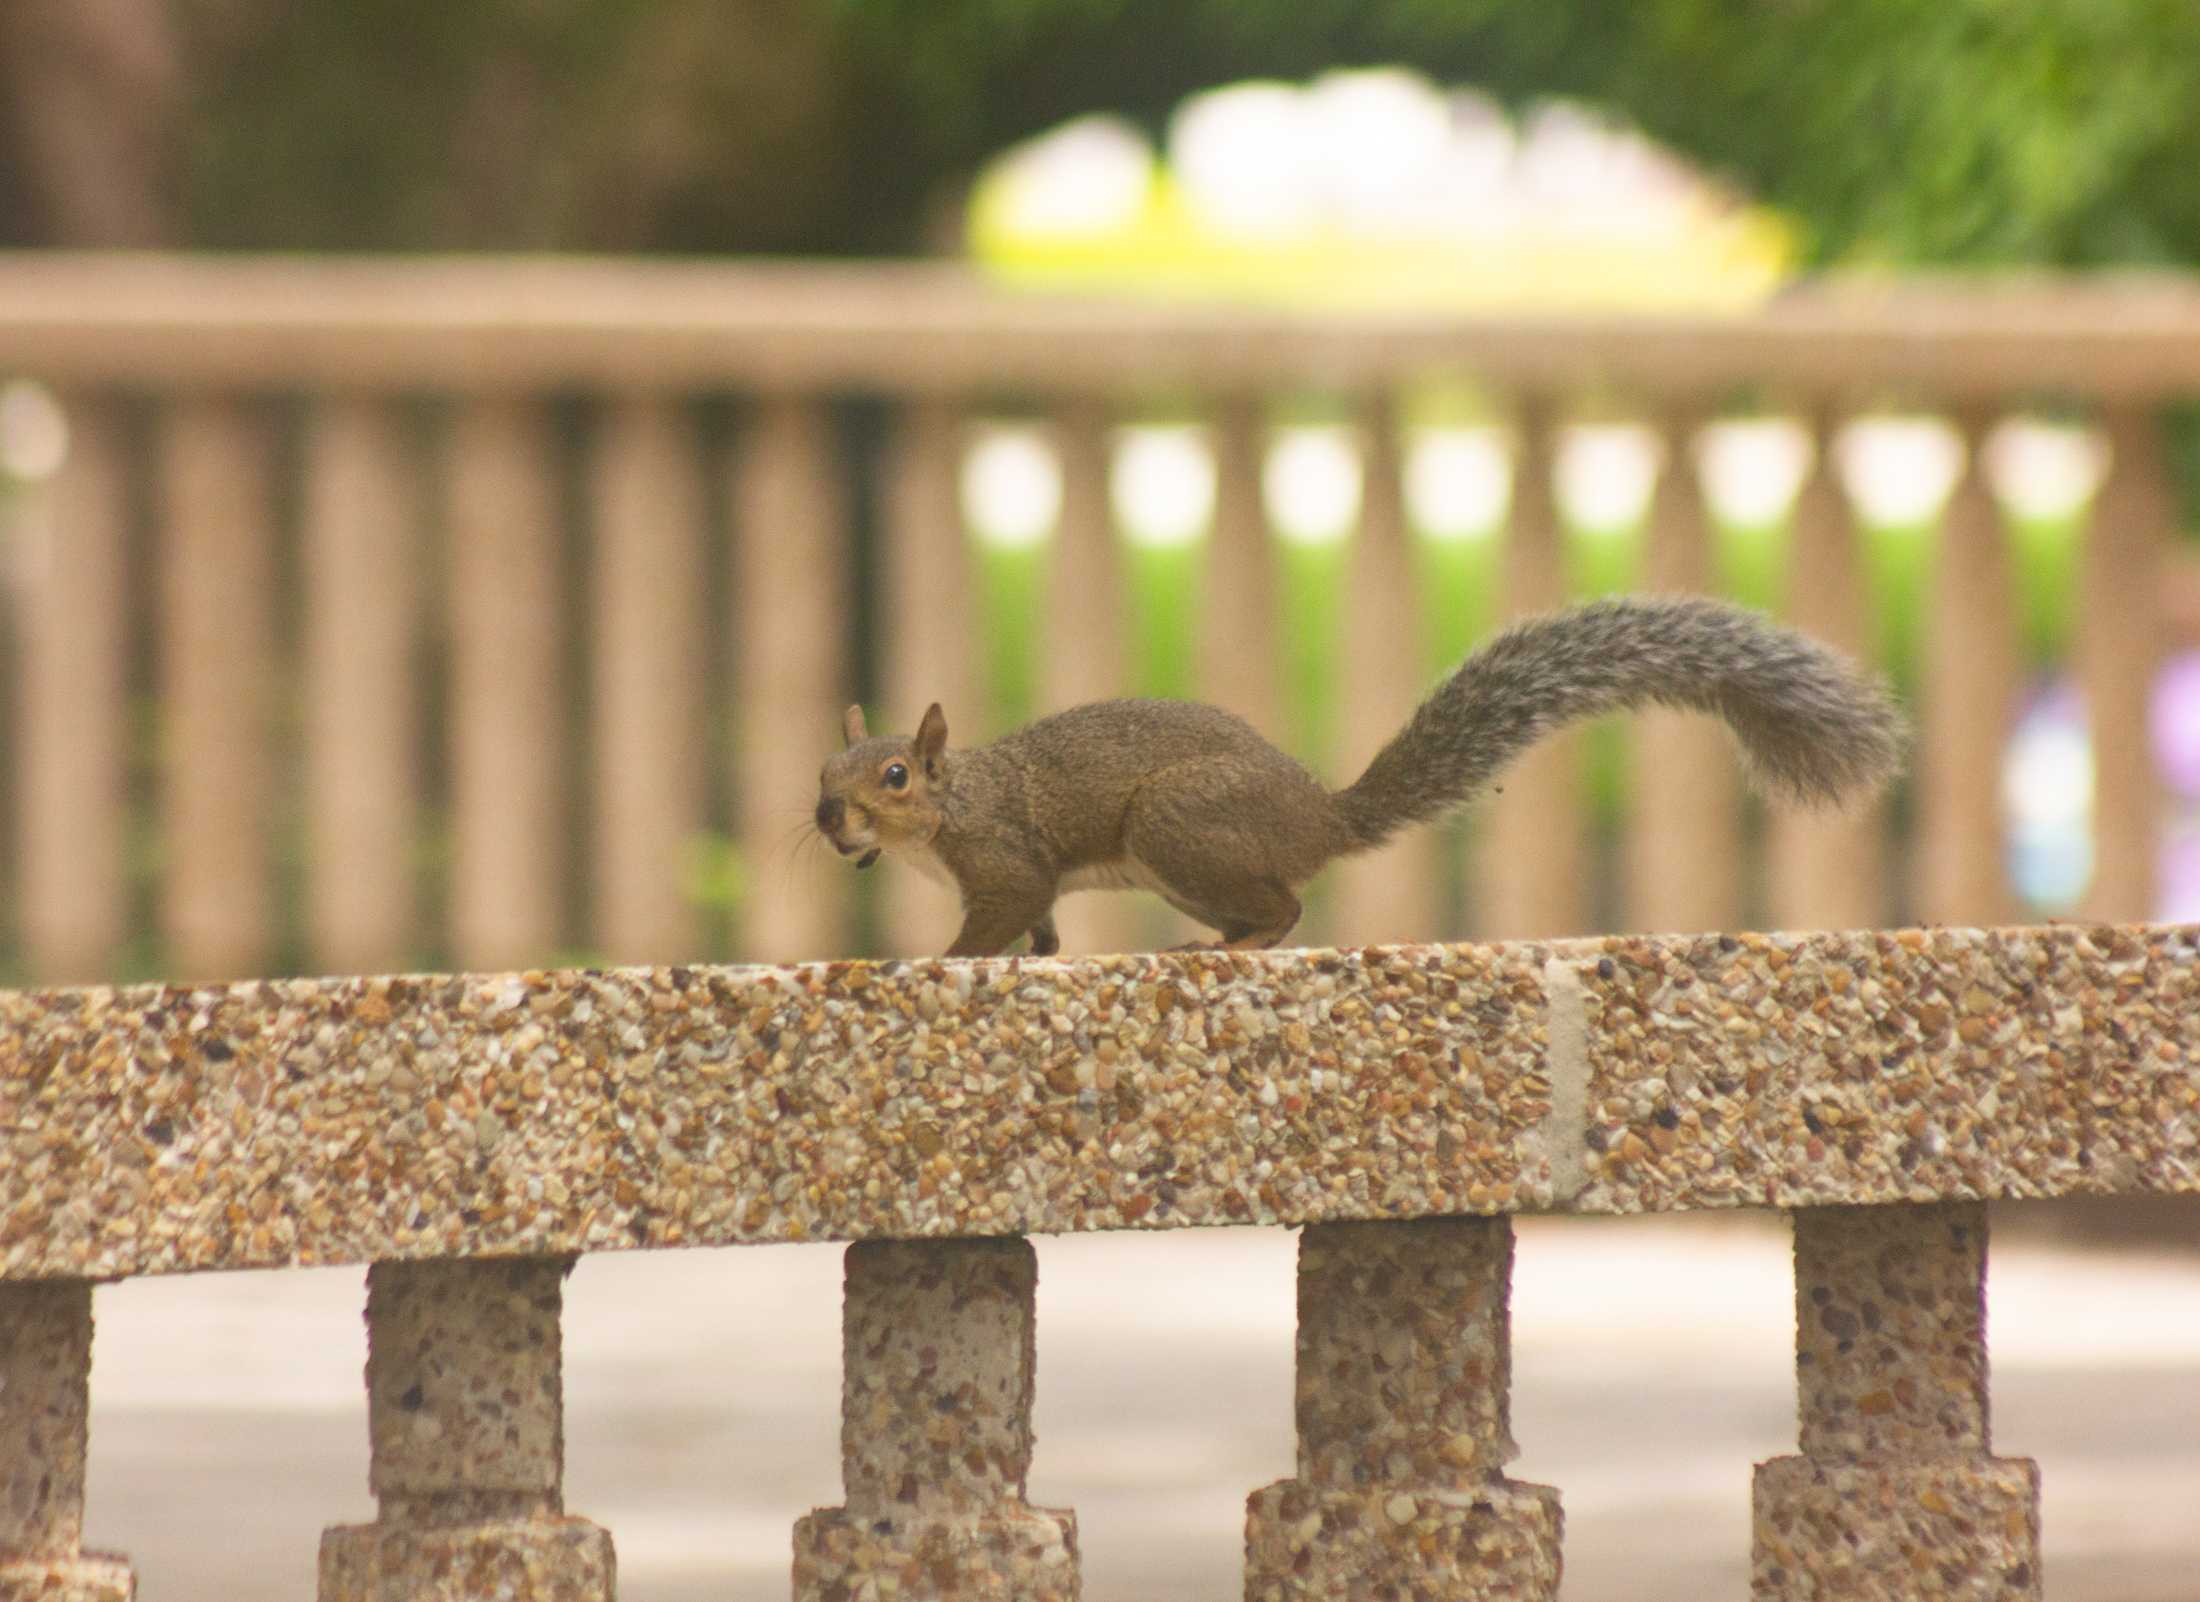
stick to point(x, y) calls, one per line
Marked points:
point(1090, 176)
point(1011, 485)
point(2047, 800)
point(1899, 470)
point(1245, 157)
point(1311, 482)
point(1457, 481)
point(34, 431)
point(1379, 142)
point(1161, 482)
point(1605, 473)
point(1752, 468)
point(2044, 469)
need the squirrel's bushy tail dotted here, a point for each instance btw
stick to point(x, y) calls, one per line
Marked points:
point(1811, 724)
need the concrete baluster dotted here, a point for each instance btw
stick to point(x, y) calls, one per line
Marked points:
point(362, 562)
point(466, 1413)
point(1404, 1423)
point(2121, 642)
point(1389, 895)
point(1970, 691)
point(45, 1374)
point(1896, 1493)
point(73, 704)
point(647, 488)
point(1683, 830)
point(1827, 866)
point(1085, 656)
point(508, 696)
point(936, 1389)
point(1239, 667)
point(793, 597)
point(218, 683)
point(930, 646)
point(1533, 873)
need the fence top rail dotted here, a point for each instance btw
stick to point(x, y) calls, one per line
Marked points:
point(535, 321)
point(164, 1129)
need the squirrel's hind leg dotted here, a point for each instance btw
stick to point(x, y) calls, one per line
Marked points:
point(1251, 912)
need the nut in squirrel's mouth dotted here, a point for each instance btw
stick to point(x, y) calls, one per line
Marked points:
point(870, 856)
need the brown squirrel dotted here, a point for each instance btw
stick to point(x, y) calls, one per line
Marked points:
point(1189, 801)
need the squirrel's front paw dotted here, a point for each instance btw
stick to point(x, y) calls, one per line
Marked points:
point(1044, 941)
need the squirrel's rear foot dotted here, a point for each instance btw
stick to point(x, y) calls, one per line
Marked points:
point(1251, 942)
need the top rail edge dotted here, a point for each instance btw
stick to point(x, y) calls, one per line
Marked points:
point(160, 321)
point(164, 1129)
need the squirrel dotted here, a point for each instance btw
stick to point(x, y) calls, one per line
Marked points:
point(1188, 800)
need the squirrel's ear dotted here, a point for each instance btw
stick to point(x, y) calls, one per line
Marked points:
point(931, 738)
point(851, 725)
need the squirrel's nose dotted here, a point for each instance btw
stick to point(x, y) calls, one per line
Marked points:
point(830, 811)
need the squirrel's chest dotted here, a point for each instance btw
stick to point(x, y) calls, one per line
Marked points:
point(927, 862)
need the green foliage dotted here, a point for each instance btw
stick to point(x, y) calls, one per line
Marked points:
point(2054, 131)
point(1903, 130)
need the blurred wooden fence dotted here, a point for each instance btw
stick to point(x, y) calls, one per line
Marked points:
point(384, 612)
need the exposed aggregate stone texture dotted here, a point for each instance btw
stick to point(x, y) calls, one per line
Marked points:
point(1894, 1495)
point(162, 1129)
point(1498, 1542)
point(87, 1577)
point(1890, 1331)
point(1404, 1374)
point(937, 1374)
point(45, 1373)
point(546, 1559)
point(1404, 1369)
point(1014, 1554)
point(465, 1398)
point(1898, 1066)
point(938, 1358)
point(1960, 1530)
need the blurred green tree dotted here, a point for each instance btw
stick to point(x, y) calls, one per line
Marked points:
point(2052, 131)
point(1912, 131)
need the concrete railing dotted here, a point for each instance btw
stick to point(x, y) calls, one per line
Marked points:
point(492, 639)
point(467, 1137)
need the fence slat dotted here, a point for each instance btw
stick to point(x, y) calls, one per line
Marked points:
point(1239, 668)
point(1970, 667)
point(362, 597)
point(1827, 868)
point(1532, 855)
point(1683, 863)
point(930, 642)
point(647, 663)
point(218, 683)
point(1085, 655)
point(1391, 894)
point(73, 713)
point(2120, 648)
point(792, 610)
point(508, 711)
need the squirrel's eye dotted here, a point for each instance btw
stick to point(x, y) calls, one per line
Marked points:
point(897, 776)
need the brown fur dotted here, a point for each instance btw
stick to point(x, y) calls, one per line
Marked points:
point(1190, 801)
